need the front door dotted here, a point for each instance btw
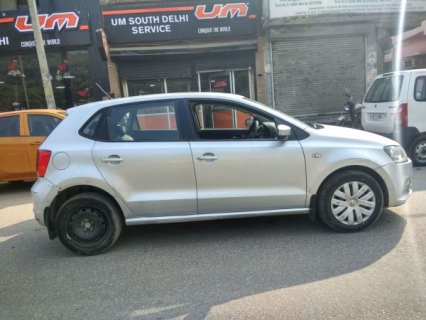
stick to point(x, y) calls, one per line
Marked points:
point(146, 162)
point(239, 163)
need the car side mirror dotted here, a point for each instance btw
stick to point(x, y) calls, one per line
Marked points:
point(283, 132)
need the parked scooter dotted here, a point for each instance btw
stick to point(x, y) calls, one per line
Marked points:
point(351, 116)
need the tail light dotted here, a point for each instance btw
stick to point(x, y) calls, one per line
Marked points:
point(43, 158)
point(402, 115)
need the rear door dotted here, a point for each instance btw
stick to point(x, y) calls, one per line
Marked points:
point(14, 162)
point(381, 103)
point(417, 102)
point(145, 160)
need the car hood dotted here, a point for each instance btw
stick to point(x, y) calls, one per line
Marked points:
point(335, 133)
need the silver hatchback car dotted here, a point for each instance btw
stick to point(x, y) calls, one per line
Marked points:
point(203, 156)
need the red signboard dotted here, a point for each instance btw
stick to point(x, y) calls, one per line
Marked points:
point(220, 84)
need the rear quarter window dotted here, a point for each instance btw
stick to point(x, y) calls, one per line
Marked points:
point(420, 89)
point(9, 126)
point(385, 89)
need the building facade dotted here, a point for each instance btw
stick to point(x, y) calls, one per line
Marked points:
point(158, 47)
point(316, 50)
point(70, 41)
point(412, 44)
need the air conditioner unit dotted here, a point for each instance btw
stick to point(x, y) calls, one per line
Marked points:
point(412, 63)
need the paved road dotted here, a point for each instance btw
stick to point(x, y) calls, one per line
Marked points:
point(263, 268)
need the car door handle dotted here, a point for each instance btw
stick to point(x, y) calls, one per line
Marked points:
point(112, 159)
point(37, 143)
point(208, 157)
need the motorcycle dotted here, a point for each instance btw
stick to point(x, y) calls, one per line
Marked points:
point(351, 115)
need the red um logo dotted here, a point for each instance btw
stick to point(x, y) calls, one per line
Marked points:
point(63, 20)
point(221, 11)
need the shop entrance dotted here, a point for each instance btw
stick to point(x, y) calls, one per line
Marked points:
point(227, 81)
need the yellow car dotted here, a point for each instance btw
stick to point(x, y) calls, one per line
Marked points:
point(21, 133)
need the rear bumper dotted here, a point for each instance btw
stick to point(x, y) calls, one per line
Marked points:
point(42, 192)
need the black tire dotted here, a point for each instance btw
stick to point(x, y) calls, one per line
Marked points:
point(338, 199)
point(417, 151)
point(89, 223)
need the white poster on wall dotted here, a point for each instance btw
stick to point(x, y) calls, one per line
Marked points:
point(297, 8)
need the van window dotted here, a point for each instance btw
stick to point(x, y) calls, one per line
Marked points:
point(420, 89)
point(385, 89)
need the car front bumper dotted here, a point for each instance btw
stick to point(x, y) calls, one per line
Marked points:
point(397, 177)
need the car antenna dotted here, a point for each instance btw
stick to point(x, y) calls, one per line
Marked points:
point(106, 93)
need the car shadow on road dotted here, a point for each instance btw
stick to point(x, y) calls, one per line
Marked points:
point(210, 263)
point(183, 270)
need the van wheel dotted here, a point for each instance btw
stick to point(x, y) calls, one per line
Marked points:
point(350, 201)
point(88, 223)
point(418, 151)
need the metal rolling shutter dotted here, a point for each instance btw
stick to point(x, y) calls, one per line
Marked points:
point(310, 75)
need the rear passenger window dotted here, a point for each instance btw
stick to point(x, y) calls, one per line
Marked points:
point(42, 125)
point(154, 121)
point(420, 89)
point(9, 126)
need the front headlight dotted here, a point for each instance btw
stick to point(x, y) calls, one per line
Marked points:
point(396, 153)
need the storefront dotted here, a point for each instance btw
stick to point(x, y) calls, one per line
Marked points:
point(190, 46)
point(68, 30)
point(319, 49)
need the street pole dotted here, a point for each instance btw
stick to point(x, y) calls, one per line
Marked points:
point(41, 55)
point(23, 82)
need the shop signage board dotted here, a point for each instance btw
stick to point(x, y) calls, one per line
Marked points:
point(59, 29)
point(167, 22)
point(297, 8)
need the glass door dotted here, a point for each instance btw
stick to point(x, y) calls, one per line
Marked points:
point(227, 81)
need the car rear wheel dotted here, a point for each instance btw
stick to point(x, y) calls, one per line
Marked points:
point(89, 223)
point(418, 151)
point(350, 201)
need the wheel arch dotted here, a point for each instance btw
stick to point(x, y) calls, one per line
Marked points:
point(66, 194)
point(367, 170)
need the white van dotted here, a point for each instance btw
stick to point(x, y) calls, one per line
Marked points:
point(395, 106)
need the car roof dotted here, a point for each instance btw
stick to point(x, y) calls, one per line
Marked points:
point(158, 97)
point(401, 72)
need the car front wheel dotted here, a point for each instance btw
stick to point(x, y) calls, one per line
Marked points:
point(88, 223)
point(350, 201)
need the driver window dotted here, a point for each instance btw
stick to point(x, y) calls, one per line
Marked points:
point(218, 121)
